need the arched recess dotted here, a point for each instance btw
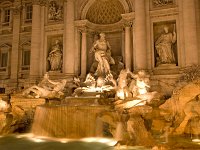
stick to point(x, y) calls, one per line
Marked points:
point(87, 6)
point(112, 28)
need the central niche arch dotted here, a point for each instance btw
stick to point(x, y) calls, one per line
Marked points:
point(105, 12)
point(93, 8)
point(103, 16)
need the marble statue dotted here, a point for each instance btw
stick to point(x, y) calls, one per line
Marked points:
point(55, 57)
point(4, 106)
point(134, 86)
point(102, 50)
point(140, 84)
point(123, 91)
point(46, 89)
point(163, 47)
point(90, 80)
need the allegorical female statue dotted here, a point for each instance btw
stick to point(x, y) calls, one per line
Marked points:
point(55, 57)
point(164, 49)
point(102, 50)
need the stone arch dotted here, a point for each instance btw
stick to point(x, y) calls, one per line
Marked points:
point(86, 7)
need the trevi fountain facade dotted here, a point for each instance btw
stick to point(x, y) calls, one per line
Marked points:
point(100, 74)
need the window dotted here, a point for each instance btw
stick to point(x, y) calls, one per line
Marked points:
point(4, 59)
point(6, 15)
point(29, 12)
point(26, 58)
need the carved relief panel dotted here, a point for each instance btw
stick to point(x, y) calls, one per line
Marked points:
point(159, 4)
point(165, 43)
point(55, 10)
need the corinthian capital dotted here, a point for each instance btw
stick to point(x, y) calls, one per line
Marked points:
point(128, 19)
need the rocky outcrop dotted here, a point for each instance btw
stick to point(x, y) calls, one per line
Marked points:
point(17, 115)
point(183, 109)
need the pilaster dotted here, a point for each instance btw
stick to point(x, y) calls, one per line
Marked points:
point(69, 39)
point(140, 58)
point(190, 32)
point(15, 42)
point(35, 40)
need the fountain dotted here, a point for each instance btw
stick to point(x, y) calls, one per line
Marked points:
point(104, 110)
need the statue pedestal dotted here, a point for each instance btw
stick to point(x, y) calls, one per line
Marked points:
point(166, 69)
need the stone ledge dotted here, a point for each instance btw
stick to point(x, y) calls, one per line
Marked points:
point(26, 103)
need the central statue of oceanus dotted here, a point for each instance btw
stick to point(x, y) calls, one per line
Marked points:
point(102, 53)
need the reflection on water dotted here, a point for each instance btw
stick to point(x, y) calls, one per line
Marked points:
point(27, 141)
point(31, 142)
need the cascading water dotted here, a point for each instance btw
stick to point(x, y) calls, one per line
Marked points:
point(68, 121)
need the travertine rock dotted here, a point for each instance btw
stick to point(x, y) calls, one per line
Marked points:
point(183, 107)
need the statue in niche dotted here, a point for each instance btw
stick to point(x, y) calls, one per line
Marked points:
point(164, 49)
point(55, 56)
point(55, 11)
point(102, 50)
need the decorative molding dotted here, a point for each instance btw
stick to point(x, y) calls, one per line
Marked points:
point(25, 42)
point(6, 45)
point(56, 27)
point(161, 3)
point(81, 23)
point(164, 12)
point(91, 27)
point(128, 16)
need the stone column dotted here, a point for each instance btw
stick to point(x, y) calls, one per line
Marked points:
point(140, 58)
point(128, 54)
point(190, 32)
point(15, 43)
point(68, 53)
point(77, 51)
point(42, 50)
point(123, 45)
point(35, 41)
point(84, 53)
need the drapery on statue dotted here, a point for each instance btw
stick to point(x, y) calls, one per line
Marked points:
point(102, 50)
point(55, 56)
point(163, 47)
point(46, 89)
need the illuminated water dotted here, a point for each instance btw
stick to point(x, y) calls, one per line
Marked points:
point(30, 142)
